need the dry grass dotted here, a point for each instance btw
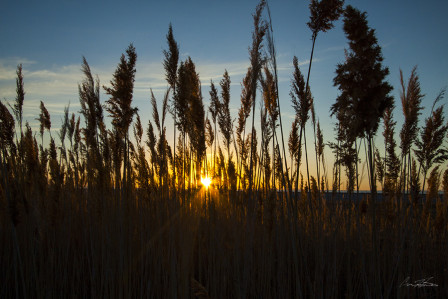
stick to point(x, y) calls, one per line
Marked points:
point(155, 247)
point(107, 217)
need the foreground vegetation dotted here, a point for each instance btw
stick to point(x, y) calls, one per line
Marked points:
point(106, 213)
point(151, 246)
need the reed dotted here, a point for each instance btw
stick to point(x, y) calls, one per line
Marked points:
point(100, 213)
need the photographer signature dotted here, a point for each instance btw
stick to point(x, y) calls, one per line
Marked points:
point(418, 283)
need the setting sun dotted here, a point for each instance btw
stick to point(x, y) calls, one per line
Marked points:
point(206, 181)
point(326, 145)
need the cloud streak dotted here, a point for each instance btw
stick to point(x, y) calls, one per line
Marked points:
point(57, 86)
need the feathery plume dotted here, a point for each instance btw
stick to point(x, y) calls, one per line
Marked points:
point(429, 147)
point(6, 129)
point(44, 119)
point(20, 98)
point(411, 98)
point(323, 14)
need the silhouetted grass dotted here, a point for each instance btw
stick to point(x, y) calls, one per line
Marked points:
point(110, 216)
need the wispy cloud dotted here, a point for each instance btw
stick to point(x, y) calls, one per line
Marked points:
point(8, 67)
point(214, 71)
point(57, 86)
point(41, 82)
point(286, 69)
point(332, 49)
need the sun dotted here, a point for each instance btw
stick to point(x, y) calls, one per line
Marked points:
point(206, 181)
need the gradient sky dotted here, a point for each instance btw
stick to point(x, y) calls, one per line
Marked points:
point(50, 37)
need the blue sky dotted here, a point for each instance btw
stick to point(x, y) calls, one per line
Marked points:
point(50, 37)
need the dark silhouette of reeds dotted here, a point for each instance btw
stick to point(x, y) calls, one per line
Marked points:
point(214, 111)
point(20, 98)
point(272, 62)
point(301, 102)
point(101, 213)
point(411, 104)
point(225, 121)
point(256, 62)
point(391, 160)
point(429, 147)
point(322, 15)
point(170, 64)
point(243, 115)
point(119, 106)
point(361, 79)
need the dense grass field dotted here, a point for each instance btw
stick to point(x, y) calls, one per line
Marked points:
point(113, 210)
point(222, 245)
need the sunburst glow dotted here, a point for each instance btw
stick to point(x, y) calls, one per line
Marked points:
point(206, 181)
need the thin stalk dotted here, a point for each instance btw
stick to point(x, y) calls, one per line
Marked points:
point(281, 167)
point(403, 174)
point(424, 181)
point(298, 165)
point(236, 150)
point(306, 97)
point(174, 155)
point(317, 161)
point(261, 163)
point(273, 161)
point(356, 165)
point(368, 163)
point(214, 153)
point(409, 171)
point(274, 62)
point(306, 158)
point(240, 166)
point(252, 142)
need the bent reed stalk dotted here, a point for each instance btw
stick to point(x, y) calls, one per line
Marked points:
point(111, 215)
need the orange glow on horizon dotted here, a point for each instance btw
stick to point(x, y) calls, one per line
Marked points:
point(206, 181)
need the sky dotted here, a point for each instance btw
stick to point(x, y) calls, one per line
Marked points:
point(49, 38)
